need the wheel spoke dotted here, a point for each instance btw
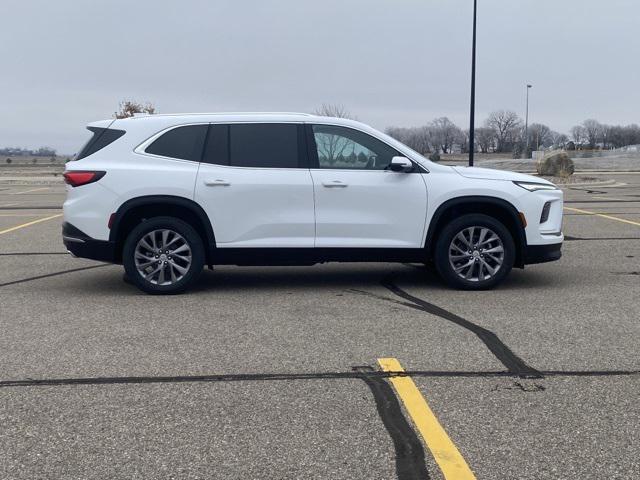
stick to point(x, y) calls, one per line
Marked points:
point(464, 252)
point(483, 233)
point(495, 259)
point(150, 275)
point(480, 268)
point(181, 270)
point(469, 273)
point(492, 271)
point(462, 267)
point(173, 274)
point(173, 240)
point(146, 264)
point(492, 238)
point(145, 257)
point(161, 276)
point(462, 238)
point(181, 248)
point(185, 258)
point(146, 245)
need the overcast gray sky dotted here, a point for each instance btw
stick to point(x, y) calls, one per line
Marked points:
point(65, 63)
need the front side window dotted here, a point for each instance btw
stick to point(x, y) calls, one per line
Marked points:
point(346, 148)
point(271, 145)
point(184, 143)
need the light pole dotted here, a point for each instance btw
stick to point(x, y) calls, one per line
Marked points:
point(473, 87)
point(526, 124)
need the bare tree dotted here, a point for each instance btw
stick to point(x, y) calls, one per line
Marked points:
point(578, 134)
point(417, 138)
point(592, 131)
point(605, 135)
point(507, 125)
point(444, 134)
point(128, 108)
point(334, 110)
point(621, 136)
point(539, 134)
point(558, 140)
point(485, 138)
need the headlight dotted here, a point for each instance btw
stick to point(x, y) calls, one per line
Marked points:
point(534, 187)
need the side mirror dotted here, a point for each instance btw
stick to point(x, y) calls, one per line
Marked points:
point(400, 164)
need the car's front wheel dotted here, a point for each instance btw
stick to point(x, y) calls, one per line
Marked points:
point(474, 252)
point(163, 255)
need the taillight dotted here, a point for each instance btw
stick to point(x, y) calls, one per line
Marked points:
point(76, 179)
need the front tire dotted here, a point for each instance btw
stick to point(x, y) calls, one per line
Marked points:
point(163, 255)
point(474, 252)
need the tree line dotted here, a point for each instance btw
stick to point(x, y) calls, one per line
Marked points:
point(504, 131)
point(25, 152)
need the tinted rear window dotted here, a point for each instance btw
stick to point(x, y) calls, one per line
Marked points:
point(271, 145)
point(101, 138)
point(185, 143)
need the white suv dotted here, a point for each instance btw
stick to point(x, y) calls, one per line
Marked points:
point(167, 194)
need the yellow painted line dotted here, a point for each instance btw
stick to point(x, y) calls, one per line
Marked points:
point(610, 217)
point(17, 227)
point(29, 191)
point(446, 454)
point(21, 215)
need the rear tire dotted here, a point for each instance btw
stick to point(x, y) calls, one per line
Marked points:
point(163, 255)
point(474, 252)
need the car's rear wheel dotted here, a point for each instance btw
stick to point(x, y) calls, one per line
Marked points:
point(163, 255)
point(474, 252)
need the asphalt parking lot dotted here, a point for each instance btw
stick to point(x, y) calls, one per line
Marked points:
point(274, 372)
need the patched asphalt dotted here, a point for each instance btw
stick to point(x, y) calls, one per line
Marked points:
point(253, 374)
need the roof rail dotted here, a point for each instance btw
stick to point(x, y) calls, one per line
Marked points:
point(220, 113)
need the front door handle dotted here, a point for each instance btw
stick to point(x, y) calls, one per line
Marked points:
point(217, 183)
point(334, 184)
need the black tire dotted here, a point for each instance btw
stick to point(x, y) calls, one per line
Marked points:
point(446, 268)
point(190, 237)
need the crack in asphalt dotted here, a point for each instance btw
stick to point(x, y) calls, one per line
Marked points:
point(514, 364)
point(62, 272)
point(252, 377)
point(32, 253)
point(601, 201)
point(570, 238)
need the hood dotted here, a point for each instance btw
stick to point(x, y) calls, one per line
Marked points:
point(492, 174)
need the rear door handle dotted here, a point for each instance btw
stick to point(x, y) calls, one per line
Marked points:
point(334, 184)
point(217, 183)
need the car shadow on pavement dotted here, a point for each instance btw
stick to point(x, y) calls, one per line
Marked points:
point(109, 281)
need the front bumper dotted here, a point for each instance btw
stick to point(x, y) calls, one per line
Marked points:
point(81, 245)
point(542, 253)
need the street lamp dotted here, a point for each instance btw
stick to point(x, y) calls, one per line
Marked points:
point(473, 87)
point(526, 123)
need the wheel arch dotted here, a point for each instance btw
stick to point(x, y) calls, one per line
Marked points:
point(137, 209)
point(497, 208)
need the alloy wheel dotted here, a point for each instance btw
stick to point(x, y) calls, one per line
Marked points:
point(476, 253)
point(163, 257)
